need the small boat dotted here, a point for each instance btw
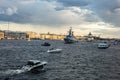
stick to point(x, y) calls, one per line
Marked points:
point(54, 50)
point(103, 45)
point(45, 44)
point(70, 38)
point(34, 66)
point(28, 39)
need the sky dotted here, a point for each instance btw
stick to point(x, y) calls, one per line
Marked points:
point(100, 17)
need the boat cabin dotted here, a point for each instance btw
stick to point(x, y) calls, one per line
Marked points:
point(103, 45)
point(33, 62)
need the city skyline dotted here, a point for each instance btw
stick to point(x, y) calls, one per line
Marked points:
point(57, 16)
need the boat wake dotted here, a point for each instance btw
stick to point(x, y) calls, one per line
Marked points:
point(12, 72)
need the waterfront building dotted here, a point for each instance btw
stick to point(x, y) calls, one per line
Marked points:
point(1, 35)
point(48, 36)
point(80, 37)
point(32, 35)
point(15, 35)
point(52, 36)
point(91, 37)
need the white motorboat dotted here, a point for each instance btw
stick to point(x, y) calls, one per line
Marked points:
point(34, 66)
point(103, 45)
point(54, 50)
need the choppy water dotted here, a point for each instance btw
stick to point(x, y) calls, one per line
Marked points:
point(79, 61)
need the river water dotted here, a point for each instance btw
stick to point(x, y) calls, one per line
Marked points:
point(79, 61)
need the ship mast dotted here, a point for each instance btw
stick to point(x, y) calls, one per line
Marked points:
point(70, 32)
point(8, 26)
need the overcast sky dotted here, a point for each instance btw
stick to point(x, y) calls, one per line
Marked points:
point(101, 17)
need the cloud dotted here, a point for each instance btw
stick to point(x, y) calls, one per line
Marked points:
point(44, 12)
point(70, 3)
point(105, 10)
point(9, 11)
point(6, 7)
point(55, 13)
